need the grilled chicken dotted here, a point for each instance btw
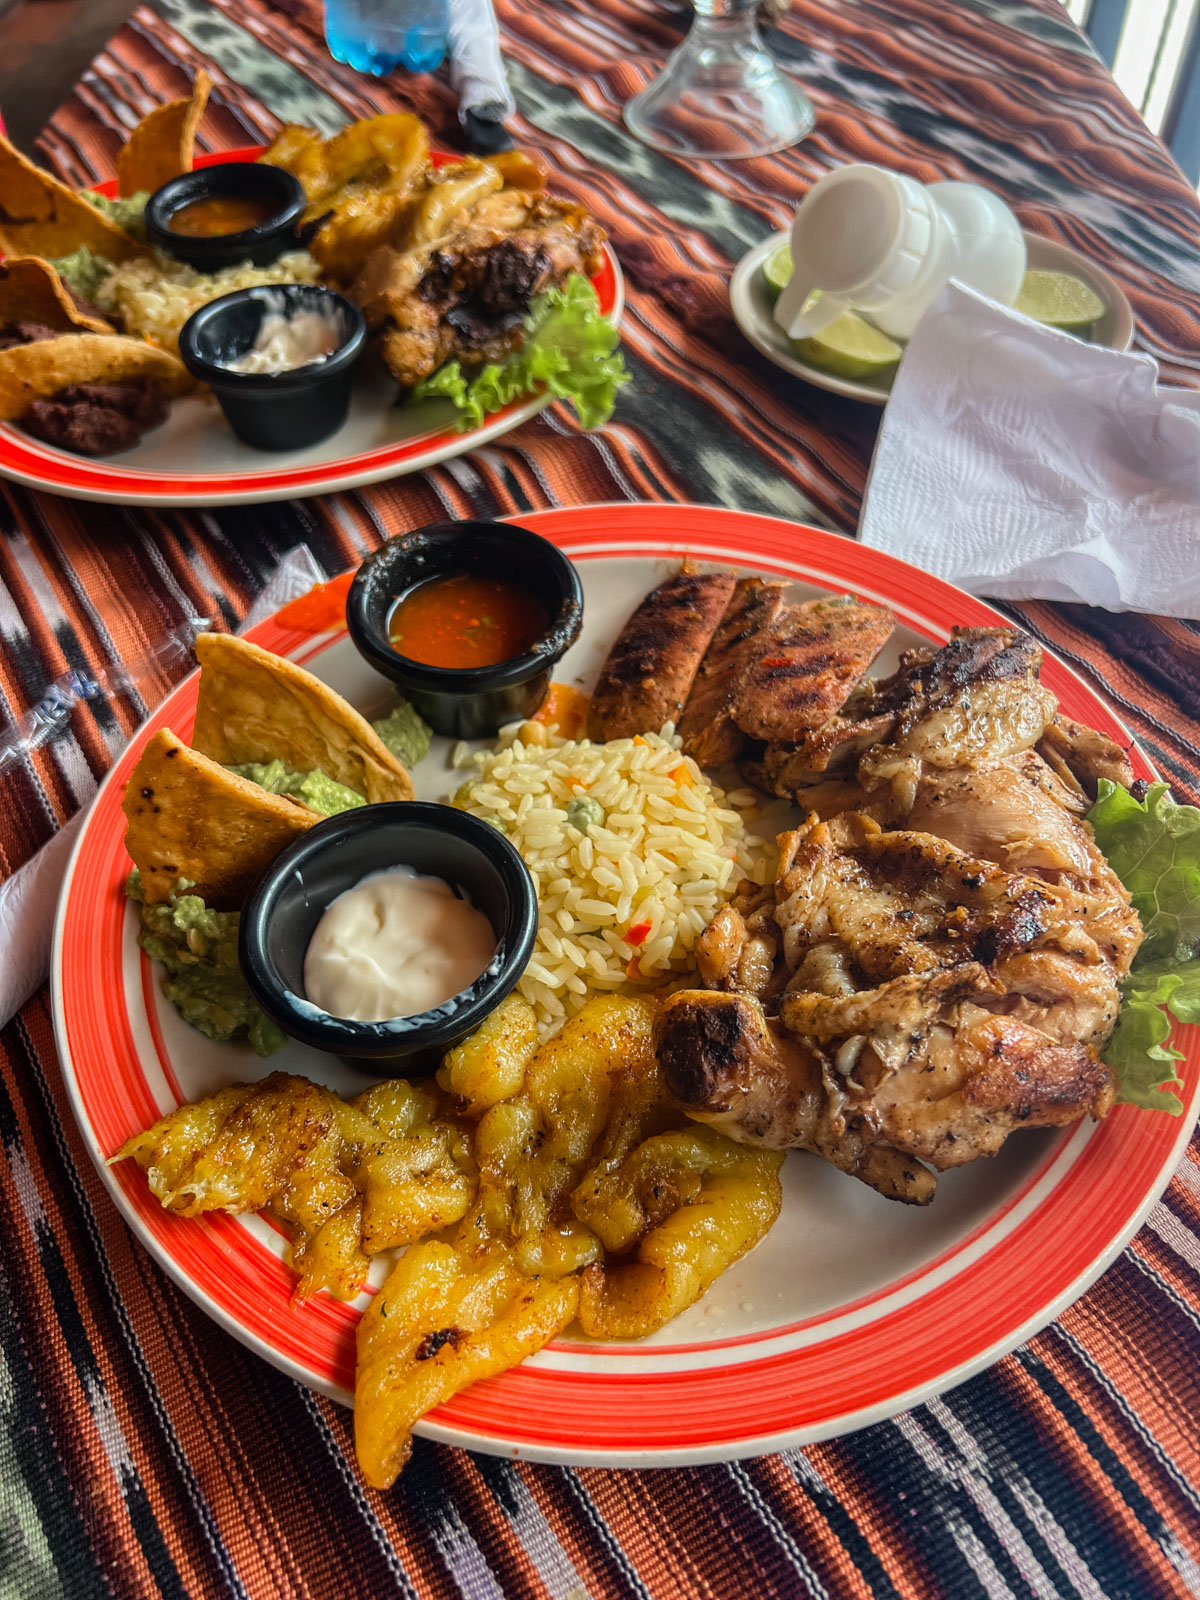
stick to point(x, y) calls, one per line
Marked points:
point(927, 998)
point(960, 1079)
point(707, 728)
point(940, 960)
point(650, 669)
point(892, 903)
point(1016, 814)
point(741, 1073)
point(740, 947)
point(816, 654)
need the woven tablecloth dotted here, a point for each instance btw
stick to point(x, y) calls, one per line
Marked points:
point(144, 1452)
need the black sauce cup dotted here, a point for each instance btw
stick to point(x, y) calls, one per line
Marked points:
point(288, 901)
point(467, 702)
point(257, 245)
point(274, 410)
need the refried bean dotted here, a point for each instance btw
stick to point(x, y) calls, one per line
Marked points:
point(98, 419)
point(89, 419)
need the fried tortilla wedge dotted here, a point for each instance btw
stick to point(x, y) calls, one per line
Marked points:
point(254, 706)
point(39, 216)
point(32, 291)
point(31, 372)
point(189, 818)
point(161, 145)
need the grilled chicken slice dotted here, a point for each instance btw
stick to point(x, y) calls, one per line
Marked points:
point(816, 654)
point(979, 1077)
point(707, 728)
point(1000, 814)
point(467, 294)
point(737, 1071)
point(895, 1015)
point(896, 902)
point(649, 672)
point(1021, 817)
point(974, 702)
point(873, 906)
point(932, 990)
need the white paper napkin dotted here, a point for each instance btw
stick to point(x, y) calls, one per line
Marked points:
point(29, 898)
point(1017, 461)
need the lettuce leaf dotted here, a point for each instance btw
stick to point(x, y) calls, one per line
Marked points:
point(569, 349)
point(1153, 845)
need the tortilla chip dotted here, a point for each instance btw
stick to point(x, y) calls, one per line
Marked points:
point(189, 818)
point(254, 706)
point(30, 372)
point(31, 291)
point(160, 147)
point(39, 216)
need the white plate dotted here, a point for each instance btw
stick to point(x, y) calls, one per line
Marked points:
point(753, 311)
point(194, 459)
point(851, 1309)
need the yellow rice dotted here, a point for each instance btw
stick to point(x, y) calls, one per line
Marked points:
point(668, 853)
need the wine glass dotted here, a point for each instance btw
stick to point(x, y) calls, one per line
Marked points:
point(721, 93)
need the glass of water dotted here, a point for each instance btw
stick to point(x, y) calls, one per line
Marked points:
point(721, 94)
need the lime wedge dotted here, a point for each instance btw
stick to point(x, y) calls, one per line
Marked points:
point(849, 348)
point(1059, 300)
point(777, 269)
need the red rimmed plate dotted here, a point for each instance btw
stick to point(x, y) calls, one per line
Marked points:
point(826, 1326)
point(194, 459)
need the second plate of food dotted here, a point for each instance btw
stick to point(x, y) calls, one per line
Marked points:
point(194, 458)
point(826, 1324)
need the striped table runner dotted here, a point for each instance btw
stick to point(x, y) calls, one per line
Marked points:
point(142, 1451)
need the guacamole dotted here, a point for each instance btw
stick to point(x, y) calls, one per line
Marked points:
point(83, 271)
point(318, 792)
point(405, 734)
point(198, 947)
point(125, 213)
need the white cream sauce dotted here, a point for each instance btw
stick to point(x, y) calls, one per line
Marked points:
point(395, 945)
point(284, 343)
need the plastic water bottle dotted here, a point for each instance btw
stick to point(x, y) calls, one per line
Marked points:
point(875, 241)
point(377, 36)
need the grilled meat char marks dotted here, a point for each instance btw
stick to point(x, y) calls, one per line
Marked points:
point(488, 293)
point(707, 728)
point(740, 1072)
point(814, 656)
point(978, 698)
point(650, 669)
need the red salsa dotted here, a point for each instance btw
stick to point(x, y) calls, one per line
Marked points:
point(466, 621)
point(220, 214)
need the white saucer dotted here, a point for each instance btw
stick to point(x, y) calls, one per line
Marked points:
point(753, 307)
